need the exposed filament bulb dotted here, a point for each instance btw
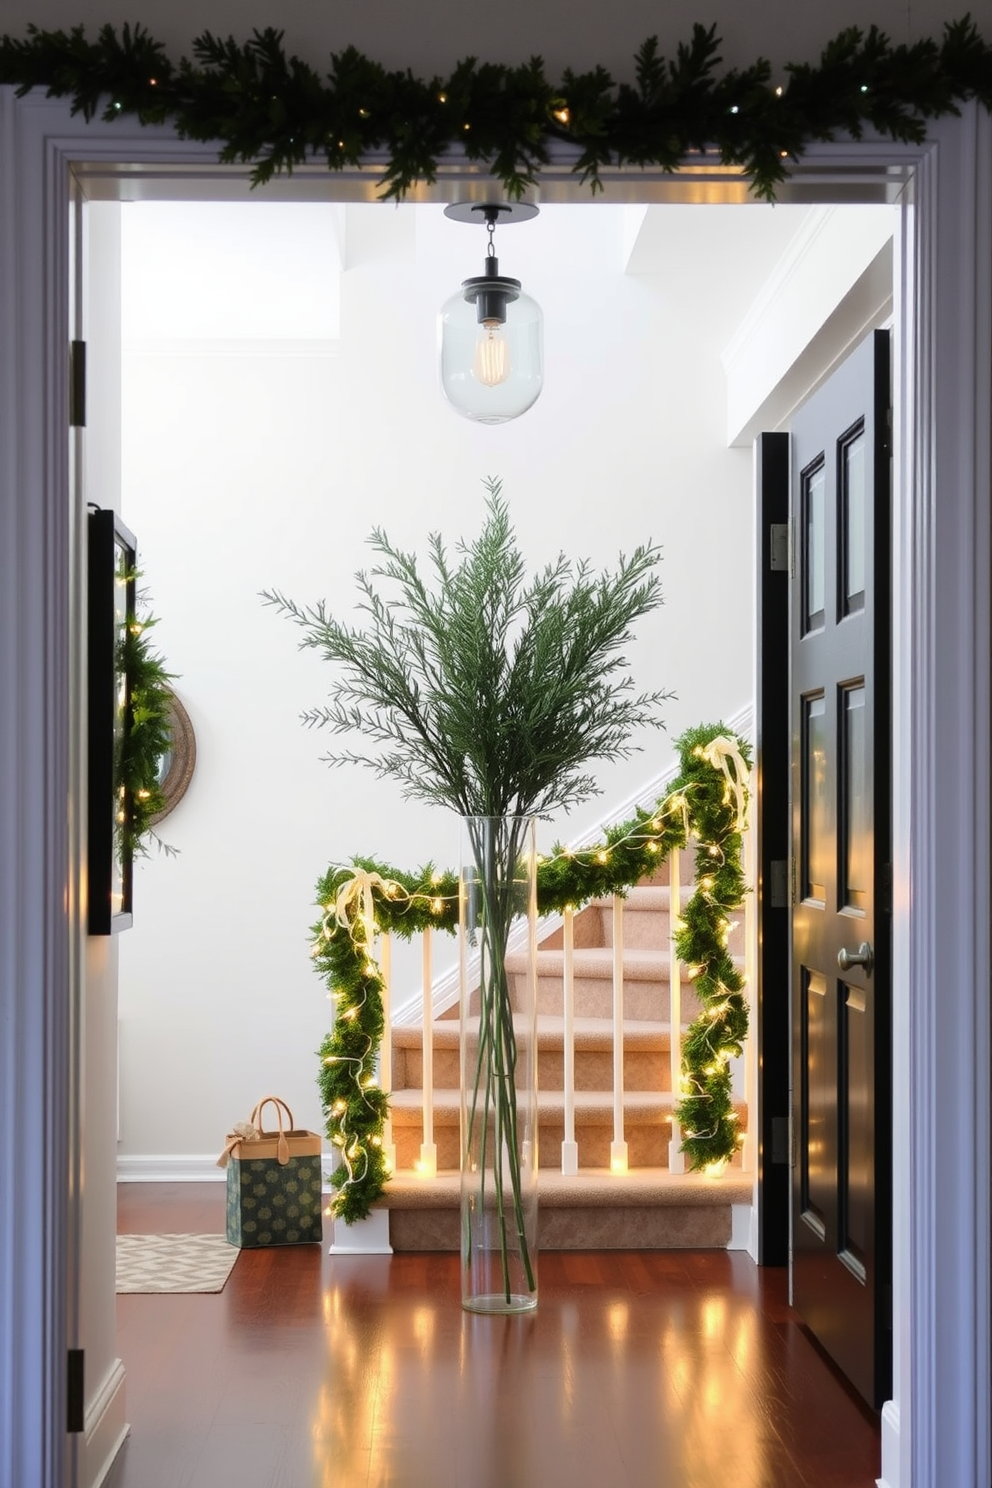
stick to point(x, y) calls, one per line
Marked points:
point(491, 362)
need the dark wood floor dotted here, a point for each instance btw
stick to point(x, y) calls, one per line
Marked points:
point(672, 1369)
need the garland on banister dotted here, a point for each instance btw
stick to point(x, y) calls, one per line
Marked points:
point(275, 111)
point(707, 801)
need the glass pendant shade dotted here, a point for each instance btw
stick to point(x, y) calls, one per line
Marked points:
point(492, 368)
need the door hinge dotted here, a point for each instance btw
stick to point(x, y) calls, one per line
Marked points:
point(74, 1392)
point(886, 888)
point(778, 884)
point(779, 549)
point(77, 384)
point(782, 1140)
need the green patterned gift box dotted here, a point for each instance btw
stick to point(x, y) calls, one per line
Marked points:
point(274, 1196)
point(268, 1204)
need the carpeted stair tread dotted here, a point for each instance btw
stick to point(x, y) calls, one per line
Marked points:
point(590, 1033)
point(592, 1188)
point(591, 1106)
point(640, 963)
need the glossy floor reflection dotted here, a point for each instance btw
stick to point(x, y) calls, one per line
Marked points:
point(638, 1370)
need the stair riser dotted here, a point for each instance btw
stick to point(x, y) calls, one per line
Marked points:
point(647, 1144)
point(616, 1228)
point(642, 1069)
point(649, 1001)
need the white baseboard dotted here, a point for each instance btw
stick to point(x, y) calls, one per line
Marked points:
point(105, 1428)
point(892, 1476)
point(365, 1237)
point(182, 1167)
point(741, 1228)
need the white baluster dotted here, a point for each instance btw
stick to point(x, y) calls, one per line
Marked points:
point(427, 1164)
point(386, 1048)
point(676, 1158)
point(748, 1160)
point(618, 1147)
point(569, 1147)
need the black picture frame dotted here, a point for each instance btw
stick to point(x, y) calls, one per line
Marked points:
point(111, 596)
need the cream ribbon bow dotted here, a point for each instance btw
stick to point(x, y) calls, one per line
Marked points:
point(354, 905)
point(724, 755)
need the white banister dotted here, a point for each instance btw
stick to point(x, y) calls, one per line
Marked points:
point(569, 1146)
point(618, 1147)
point(386, 1047)
point(427, 1166)
point(676, 1157)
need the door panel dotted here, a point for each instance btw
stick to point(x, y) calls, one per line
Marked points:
point(839, 688)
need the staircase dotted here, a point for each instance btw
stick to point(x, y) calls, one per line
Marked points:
point(648, 1207)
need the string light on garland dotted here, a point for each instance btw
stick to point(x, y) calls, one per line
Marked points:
point(708, 800)
point(271, 110)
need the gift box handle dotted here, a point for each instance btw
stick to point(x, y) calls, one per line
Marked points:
point(282, 1147)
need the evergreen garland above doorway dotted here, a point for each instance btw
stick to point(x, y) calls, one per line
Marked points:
point(274, 112)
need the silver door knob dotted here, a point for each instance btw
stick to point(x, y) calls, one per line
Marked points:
point(863, 956)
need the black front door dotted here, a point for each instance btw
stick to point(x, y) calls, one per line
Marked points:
point(841, 970)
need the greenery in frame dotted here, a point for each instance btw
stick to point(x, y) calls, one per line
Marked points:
point(145, 739)
point(276, 112)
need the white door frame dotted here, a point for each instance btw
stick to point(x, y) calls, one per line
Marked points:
point(935, 1429)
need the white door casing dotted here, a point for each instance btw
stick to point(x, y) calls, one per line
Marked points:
point(935, 1429)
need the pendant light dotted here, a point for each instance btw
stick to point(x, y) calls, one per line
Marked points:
point(491, 333)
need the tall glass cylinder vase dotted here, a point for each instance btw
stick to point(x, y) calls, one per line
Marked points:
point(498, 959)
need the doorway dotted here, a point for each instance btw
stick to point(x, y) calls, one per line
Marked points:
point(937, 717)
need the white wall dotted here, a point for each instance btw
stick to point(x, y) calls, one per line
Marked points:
point(263, 455)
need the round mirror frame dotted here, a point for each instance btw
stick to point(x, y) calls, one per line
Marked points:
point(181, 758)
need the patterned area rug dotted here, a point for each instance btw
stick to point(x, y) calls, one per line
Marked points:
point(174, 1263)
